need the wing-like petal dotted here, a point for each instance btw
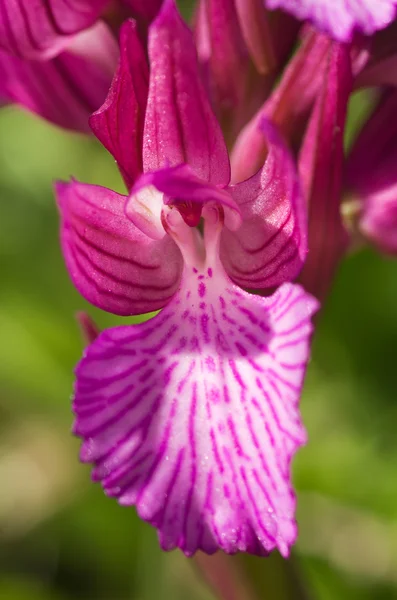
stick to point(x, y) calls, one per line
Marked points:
point(193, 416)
point(271, 245)
point(180, 126)
point(320, 166)
point(111, 262)
point(42, 28)
point(118, 124)
point(68, 88)
point(341, 18)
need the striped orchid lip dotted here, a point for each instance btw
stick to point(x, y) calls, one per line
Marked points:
point(193, 415)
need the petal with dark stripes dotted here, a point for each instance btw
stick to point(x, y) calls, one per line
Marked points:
point(193, 416)
point(270, 247)
point(42, 28)
point(341, 18)
point(119, 122)
point(111, 262)
point(68, 88)
point(180, 126)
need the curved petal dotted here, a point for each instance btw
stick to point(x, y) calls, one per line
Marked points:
point(193, 416)
point(341, 18)
point(68, 88)
point(271, 245)
point(41, 28)
point(180, 126)
point(288, 107)
point(111, 262)
point(321, 162)
point(118, 124)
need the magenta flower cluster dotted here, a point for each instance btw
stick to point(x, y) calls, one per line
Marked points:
point(240, 204)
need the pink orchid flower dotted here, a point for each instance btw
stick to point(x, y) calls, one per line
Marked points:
point(191, 416)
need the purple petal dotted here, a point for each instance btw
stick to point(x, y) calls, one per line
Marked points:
point(288, 107)
point(180, 126)
point(193, 416)
point(255, 27)
point(68, 88)
point(111, 262)
point(320, 164)
point(118, 124)
point(42, 28)
point(372, 175)
point(270, 247)
point(235, 86)
point(341, 18)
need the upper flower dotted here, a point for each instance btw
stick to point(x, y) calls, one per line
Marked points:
point(191, 416)
point(341, 18)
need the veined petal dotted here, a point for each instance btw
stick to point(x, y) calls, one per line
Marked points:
point(41, 28)
point(341, 18)
point(271, 245)
point(119, 123)
point(111, 262)
point(68, 88)
point(193, 416)
point(180, 126)
point(320, 165)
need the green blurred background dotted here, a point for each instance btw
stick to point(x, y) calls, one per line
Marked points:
point(60, 537)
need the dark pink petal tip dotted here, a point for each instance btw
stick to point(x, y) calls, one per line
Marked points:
point(193, 416)
point(111, 262)
point(271, 245)
point(119, 123)
point(341, 18)
point(180, 126)
point(37, 29)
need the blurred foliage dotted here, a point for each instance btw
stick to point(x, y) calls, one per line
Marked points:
point(60, 537)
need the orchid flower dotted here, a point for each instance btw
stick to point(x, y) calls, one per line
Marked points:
point(57, 58)
point(341, 18)
point(191, 416)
